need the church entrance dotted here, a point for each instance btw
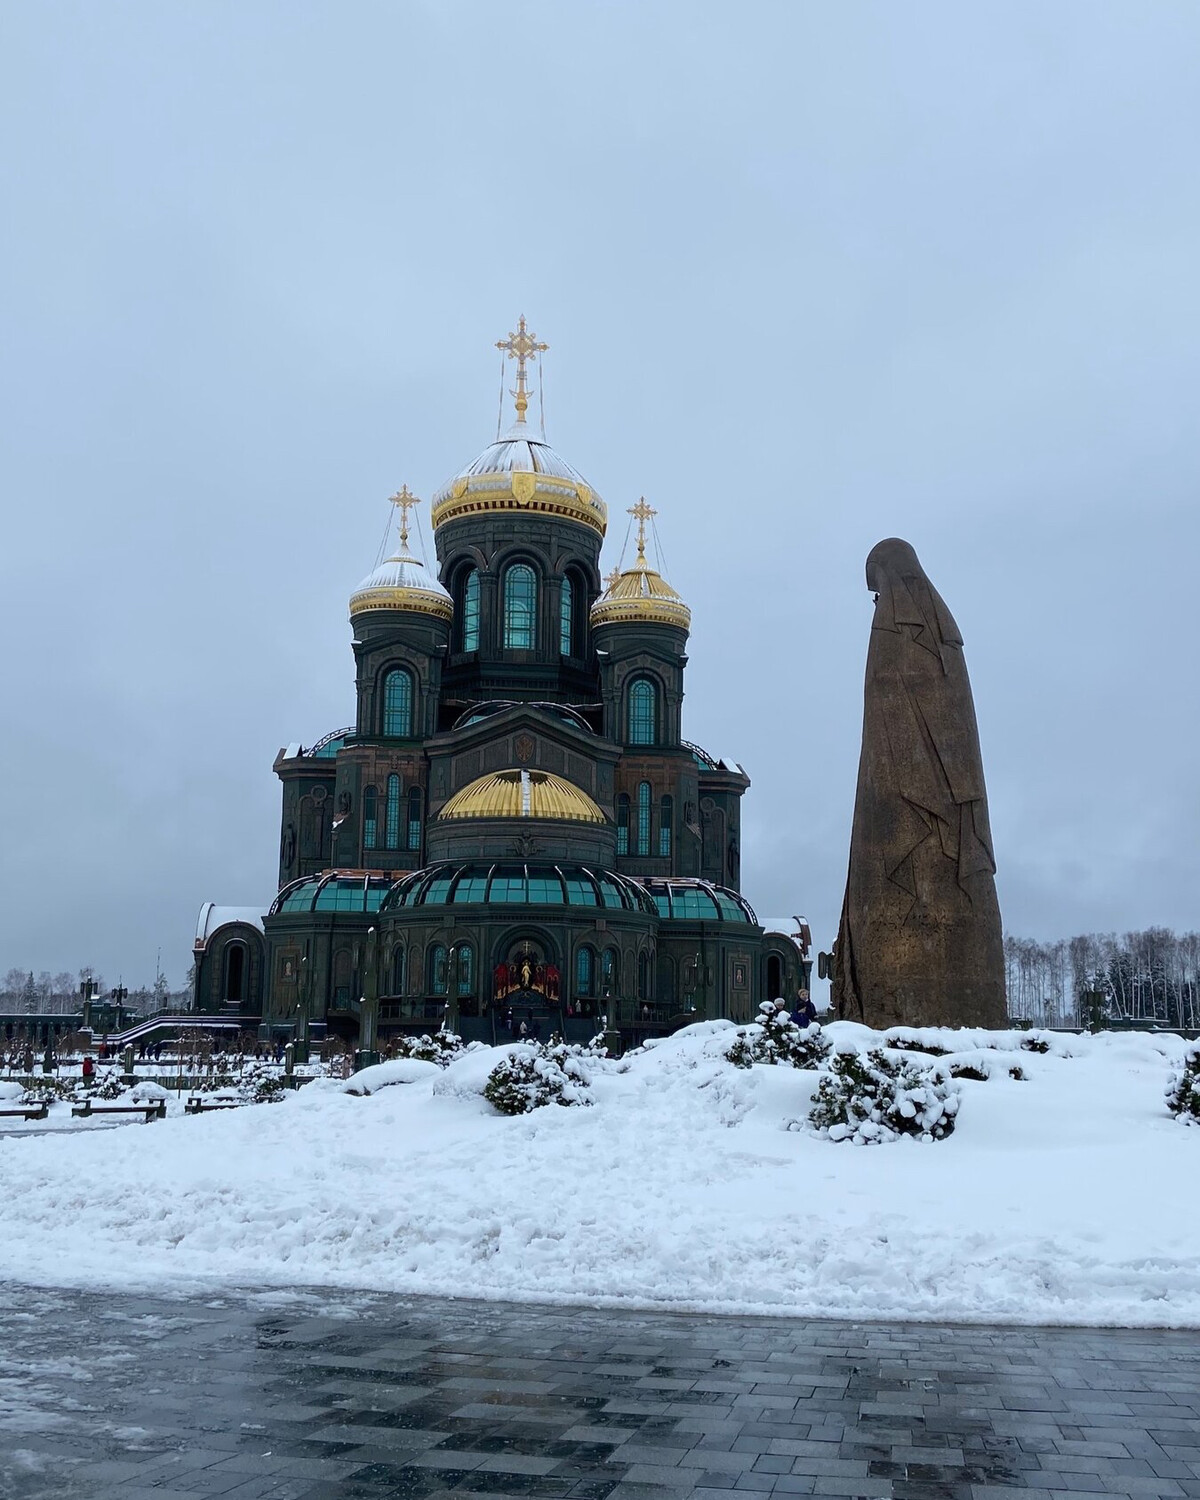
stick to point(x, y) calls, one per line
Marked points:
point(527, 993)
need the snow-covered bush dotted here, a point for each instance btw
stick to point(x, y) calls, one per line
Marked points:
point(907, 1039)
point(535, 1074)
point(1183, 1089)
point(775, 1038)
point(1036, 1041)
point(441, 1048)
point(969, 1070)
point(47, 1090)
point(880, 1098)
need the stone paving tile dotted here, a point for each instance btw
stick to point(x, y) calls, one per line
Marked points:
point(420, 1400)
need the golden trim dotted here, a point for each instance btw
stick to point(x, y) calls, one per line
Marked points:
point(649, 611)
point(521, 793)
point(414, 601)
point(524, 484)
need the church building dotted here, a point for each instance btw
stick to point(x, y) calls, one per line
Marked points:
point(514, 824)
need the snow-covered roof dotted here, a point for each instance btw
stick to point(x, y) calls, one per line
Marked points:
point(402, 572)
point(519, 451)
point(213, 916)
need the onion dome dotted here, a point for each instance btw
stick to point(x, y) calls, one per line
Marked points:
point(520, 472)
point(402, 581)
point(523, 794)
point(640, 594)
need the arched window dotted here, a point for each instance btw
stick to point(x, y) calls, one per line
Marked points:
point(774, 977)
point(666, 809)
point(641, 703)
point(643, 976)
point(520, 607)
point(391, 828)
point(437, 969)
point(470, 611)
point(608, 971)
point(623, 824)
point(585, 973)
point(565, 618)
point(414, 818)
point(398, 969)
point(370, 817)
point(465, 964)
point(398, 704)
point(235, 973)
point(643, 819)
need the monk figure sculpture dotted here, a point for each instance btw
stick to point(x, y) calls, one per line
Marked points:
point(920, 941)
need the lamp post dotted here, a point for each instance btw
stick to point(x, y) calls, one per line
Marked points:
point(368, 1011)
point(450, 1021)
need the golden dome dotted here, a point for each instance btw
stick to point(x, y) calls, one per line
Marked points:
point(640, 593)
point(523, 794)
point(520, 471)
point(402, 582)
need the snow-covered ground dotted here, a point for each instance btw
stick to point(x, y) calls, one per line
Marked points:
point(1066, 1198)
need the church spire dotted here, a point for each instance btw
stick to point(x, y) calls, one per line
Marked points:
point(404, 500)
point(523, 347)
point(641, 512)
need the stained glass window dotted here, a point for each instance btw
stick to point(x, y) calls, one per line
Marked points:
point(643, 729)
point(437, 969)
point(643, 818)
point(370, 817)
point(564, 618)
point(466, 969)
point(470, 612)
point(391, 831)
point(414, 818)
point(585, 972)
point(520, 607)
point(398, 704)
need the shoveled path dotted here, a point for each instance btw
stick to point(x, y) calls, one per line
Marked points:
point(334, 1396)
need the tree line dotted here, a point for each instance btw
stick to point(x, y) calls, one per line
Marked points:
point(1146, 976)
point(45, 994)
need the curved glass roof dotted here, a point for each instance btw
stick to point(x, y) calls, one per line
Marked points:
point(698, 901)
point(328, 747)
point(518, 883)
point(333, 890)
point(481, 711)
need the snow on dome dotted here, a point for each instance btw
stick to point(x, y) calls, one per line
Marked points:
point(402, 583)
point(520, 471)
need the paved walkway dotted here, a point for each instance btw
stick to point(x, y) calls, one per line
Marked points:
point(360, 1397)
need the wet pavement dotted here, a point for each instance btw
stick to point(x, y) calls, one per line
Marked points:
point(362, 1396)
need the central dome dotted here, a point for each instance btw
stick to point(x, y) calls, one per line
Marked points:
point(520, 472)
point(523, 794)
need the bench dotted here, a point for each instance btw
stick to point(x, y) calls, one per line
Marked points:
point(197, 1105)
point(157, 1110)
point(27, 1111)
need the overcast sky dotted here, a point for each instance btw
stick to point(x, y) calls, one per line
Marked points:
point(812, 275)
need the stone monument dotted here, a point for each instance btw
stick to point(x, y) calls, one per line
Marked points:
point(920, 940)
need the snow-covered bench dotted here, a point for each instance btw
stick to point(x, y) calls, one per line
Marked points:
point(27, 1111)
point(155, 1110)
point(198, 1105)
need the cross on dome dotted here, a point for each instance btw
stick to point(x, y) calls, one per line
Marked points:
point(404, 500)
point(523, 347)
point(641, 512)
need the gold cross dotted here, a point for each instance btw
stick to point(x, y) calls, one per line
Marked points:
point(611, 581)
point(523, 347)
point(405, 501)
point(641, 512)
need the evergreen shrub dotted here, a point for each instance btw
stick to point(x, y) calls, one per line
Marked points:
point(775, 1038)
point(539, 1073)
point(440, 1048)
point(1183, 1089)
point(879, 1098)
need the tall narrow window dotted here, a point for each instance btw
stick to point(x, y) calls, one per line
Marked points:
point(398, 704)
point(465, 965)
point(666, 810)
point(391, 828)
point(643, 976)
point(641, 706)
point(437, 969)
point(585, 973)
point(608, 971)
point(470, 612)
point(520, 607)
point(565, 618)
point(398, 970)
point(370, 817)
point(623, 824)
point(414, 818)
point(643, 818)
